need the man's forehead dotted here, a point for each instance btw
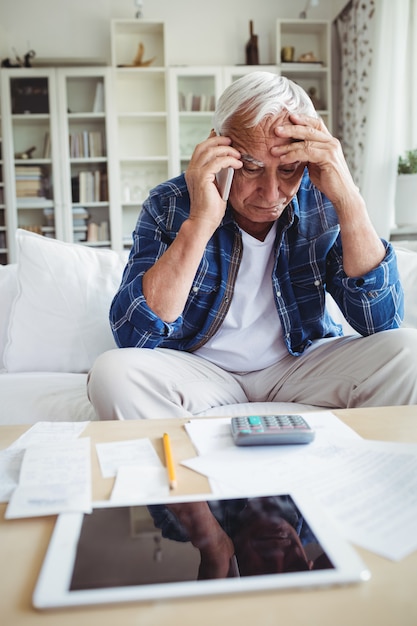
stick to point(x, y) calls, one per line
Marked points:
point(254, 143)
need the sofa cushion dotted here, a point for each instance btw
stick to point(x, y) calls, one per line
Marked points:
point(407, 267)
point(30, 397)
point(59, 319)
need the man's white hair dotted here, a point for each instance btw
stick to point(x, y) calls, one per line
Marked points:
point(257, 95)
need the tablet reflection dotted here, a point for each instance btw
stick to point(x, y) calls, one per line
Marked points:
point(246, 537)
point(122, 546)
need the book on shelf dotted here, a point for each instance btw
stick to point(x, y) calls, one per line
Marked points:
point(104, 190)
point(86, 186)
point(32, 202)
point(80, 235)
point(86, 144)
point(47, 146)
point(196, 102)
point(29, 181)
point(98, 106)
point(89, 186)
point(30, 192)
point(80, 217)
point(26, 171)
point(98, 232)
point(96, 144)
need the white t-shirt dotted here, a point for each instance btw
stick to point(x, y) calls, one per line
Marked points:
point(250, 337)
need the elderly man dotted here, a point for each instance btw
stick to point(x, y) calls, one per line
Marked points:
point(223, 302)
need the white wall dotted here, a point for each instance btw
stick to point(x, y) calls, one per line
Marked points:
point(197, 32)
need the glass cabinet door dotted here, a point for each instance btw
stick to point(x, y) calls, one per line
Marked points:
point(83, 109)
point(34, 193)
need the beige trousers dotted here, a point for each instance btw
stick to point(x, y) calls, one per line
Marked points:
point(135, 383)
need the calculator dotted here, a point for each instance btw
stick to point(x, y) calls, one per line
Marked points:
point(261, 430)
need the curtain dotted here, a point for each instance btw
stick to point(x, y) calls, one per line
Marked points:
point(354, 28)
point(379, 118)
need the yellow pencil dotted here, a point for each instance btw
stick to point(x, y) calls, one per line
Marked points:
point(169, 461)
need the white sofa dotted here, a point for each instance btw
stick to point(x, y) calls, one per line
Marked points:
point(54, 322)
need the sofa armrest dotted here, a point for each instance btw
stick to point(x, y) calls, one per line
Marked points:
point(8, 291)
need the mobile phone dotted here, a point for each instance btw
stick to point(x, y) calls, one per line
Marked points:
point(224, 182)
point(254, 430)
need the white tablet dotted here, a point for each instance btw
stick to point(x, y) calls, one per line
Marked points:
point(192, 546)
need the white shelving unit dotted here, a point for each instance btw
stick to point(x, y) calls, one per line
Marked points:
point(60, 188)
point(87, 145)
point(311, 37)
point(234, 72)
point(194, 92)
point(141, 116)
point(31, 170)
point(123, 128)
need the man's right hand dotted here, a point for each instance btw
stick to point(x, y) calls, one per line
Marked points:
point(210, 156)
point(167, 284)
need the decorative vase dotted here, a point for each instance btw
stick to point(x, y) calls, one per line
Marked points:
point(406, 200)
point(252, 56)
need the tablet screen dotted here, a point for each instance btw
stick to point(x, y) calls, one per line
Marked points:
point(142, 545)
point(191, 546)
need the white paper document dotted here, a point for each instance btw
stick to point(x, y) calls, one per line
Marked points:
point(139, 452)
point(49, 432)
point(53, 479)
point(372, 493)
point(369, 488)
point(137, 467)
point(220, 460)
point(40, 433)
point(10, 462)
point(212, 434)
point(136, 483)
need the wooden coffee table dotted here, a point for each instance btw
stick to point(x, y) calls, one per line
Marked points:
point(388, 598)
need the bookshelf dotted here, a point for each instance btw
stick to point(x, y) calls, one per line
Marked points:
point(31, 169)
point(141, 116)
point(56, 151)
point(81, 147)
point(194, 92)
point(309, 40)
point(86, 143)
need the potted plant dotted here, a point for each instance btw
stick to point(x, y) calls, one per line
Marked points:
point(406, 190)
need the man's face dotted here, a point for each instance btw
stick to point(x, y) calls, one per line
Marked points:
point(262, 188)
point(267, 544)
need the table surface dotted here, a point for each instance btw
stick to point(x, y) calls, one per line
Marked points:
point(388, 598)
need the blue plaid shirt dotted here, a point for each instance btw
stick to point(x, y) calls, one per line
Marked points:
point(308, 261)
